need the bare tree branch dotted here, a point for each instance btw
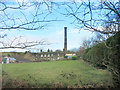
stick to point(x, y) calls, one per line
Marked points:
point(22, 45)
point(24, 15)
point(92, 15)
point(35, 23)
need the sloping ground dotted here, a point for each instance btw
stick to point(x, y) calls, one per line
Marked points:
point(67, 73)
point(20, 58)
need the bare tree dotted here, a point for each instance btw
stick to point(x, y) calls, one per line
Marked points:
point(95, 16)
point(92, 41)
point(80, 51)
point(16, 43)
point(23, 15)
point(27, 15)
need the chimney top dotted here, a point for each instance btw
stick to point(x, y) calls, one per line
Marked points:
point(65, 27)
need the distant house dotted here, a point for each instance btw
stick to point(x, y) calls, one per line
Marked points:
point(8, 60)
point(70, 55)
point(49, 55)
point(12, 60)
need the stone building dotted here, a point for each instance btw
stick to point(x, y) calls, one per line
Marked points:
point(49, 56)
point(54, 55)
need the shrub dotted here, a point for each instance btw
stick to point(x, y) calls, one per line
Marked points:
point(102, 55)
point(95, 55)
point(65, 56)
point(113, 57)
point(74, 57)
point(85, 54)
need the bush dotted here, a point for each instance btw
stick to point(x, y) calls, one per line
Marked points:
point(85, 54)
point(65, 56)
point(74, 57)
point(95, 55)
point(103, 55)
point(113, 57)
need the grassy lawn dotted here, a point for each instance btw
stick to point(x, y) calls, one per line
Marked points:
point(56, 74)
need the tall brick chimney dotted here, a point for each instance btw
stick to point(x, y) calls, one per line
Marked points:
point(65, 39)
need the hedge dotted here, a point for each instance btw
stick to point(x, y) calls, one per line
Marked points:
point(95, 55)
point(74, 57)
point(106, 55)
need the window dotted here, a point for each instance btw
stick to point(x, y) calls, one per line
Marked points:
point(48, 55)
point(45, 55)
point(58, 57)
point(41, 55)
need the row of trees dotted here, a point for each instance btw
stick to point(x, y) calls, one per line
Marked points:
point(89, 43)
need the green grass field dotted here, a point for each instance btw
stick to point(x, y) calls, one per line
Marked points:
point(66, 73)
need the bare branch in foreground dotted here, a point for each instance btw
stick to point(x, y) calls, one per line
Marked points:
point(16, 43)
